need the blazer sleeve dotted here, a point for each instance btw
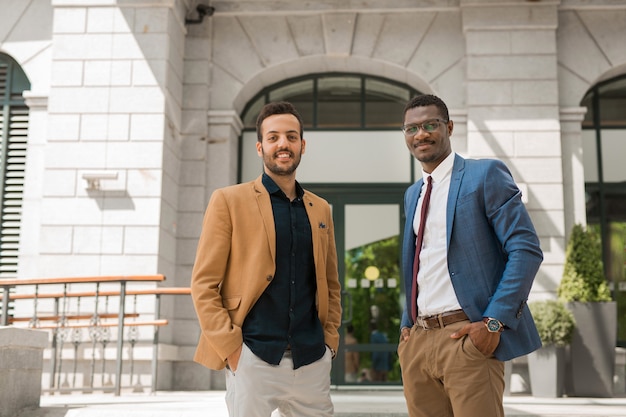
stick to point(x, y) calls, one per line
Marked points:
point(513, 228)
point(207, 277)
point(331, 332)
point(325, 252)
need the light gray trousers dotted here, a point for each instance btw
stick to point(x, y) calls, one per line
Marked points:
point(258, 389)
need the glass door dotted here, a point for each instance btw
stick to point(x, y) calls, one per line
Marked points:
point(368, 225)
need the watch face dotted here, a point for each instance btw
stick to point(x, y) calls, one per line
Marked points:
point(493, 325)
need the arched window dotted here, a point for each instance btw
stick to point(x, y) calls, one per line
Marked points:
point(356, 158)
point(604, 156)
point(338, 101)
point(354, 118)
point(13, 136)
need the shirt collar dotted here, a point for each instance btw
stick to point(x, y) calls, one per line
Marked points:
point(272, 188)
point(442, 170)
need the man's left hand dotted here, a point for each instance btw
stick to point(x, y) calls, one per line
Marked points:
point(484, 340)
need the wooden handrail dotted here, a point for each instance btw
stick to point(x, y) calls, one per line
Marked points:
point(71, 317)
point(146, 291)
point(77, 280)
point(7, 295)
point(129, 323)
point(161, 290)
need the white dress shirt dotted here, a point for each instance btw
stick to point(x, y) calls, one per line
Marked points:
point(436, 294)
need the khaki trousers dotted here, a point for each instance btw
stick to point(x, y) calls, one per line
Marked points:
point(258, 389)
point(446, 377)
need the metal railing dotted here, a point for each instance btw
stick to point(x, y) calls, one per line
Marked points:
point(67, 318)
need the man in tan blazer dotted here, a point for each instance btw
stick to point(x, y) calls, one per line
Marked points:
point(265, 284)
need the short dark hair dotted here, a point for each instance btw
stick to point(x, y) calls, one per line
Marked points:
point(428, 100)
point(278, 107)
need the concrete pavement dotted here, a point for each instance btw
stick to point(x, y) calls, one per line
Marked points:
point(348, 403)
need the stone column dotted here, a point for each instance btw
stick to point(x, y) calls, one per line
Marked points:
point(573, 169)
point(115, 114)
point(225, 126)
point(513, 109)
point(21, 363)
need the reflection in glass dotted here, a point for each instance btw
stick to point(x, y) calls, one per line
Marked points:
point(605, 181)
point(375, 309)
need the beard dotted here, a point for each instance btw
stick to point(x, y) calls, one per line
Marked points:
point(437, 152)
point(281, 169)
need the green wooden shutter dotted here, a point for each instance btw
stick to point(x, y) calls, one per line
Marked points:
point(13, 136)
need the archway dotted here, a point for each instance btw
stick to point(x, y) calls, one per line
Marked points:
point(357, 160)
point(604, 147)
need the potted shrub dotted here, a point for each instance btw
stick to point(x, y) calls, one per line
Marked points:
point(583, 272)
point(546, 366)
point(585, 291)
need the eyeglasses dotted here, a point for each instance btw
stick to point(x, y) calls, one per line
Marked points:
point(428, 126)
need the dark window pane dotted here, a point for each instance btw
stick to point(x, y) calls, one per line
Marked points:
point(300, 94)
point(249, 118)
point(612, 105)
point(339, 102)
point(384, 103)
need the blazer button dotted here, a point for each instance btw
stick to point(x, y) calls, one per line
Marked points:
point(269, 277)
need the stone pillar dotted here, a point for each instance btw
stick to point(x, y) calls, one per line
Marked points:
point(225, 126)
point(210, 161)
point(513, 109)
point(21, 363)
point(114, 112)
point(573, 167)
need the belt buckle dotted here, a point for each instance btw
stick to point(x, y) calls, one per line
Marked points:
point(425, 324)
point(421, 323)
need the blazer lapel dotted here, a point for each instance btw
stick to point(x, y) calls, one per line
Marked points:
point(312, 213)
point(410, 208)
point(267, 215)
point(458, 169)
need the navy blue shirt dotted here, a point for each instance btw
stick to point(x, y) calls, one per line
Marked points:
point(285, 316)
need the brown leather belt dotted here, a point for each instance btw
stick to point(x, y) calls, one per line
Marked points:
point(439, 321)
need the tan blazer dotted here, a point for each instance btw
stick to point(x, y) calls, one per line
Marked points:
point(235, 262)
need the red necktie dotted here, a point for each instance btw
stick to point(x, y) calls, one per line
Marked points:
point(418, 246)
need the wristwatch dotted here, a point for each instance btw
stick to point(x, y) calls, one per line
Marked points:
point(493, 325)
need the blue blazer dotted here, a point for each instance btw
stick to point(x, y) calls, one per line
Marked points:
point(493, 251)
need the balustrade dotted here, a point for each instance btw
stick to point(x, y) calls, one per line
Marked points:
point(80, 314)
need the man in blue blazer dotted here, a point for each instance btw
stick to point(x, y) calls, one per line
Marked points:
point(466, 291)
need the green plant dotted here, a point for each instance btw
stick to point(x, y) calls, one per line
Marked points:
point(583, 273)
point(554, 321)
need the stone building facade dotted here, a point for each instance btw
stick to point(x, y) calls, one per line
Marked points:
point(129, 93)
